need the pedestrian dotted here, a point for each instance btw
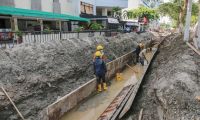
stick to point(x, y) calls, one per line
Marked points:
point(100, 71)
point(142, 56)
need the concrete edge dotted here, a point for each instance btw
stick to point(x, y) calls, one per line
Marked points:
point(57, 109)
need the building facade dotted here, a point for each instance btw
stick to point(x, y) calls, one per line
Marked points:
point(104, 7)
point(57, 6)
point(69, 7)
point(101, 8)
point(72, 7)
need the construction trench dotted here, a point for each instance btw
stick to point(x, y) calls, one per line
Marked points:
point(54, 81)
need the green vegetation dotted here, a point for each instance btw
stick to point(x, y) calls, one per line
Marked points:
point(176, 10)
point(165, 26)
point(47, 30)
point(19, 33)
point(150, 14)
point(116, 11)
point(95, 26)
point(80, 28)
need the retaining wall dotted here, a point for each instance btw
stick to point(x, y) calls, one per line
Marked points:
point(56, 110)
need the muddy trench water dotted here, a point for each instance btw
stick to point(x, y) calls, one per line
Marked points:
point(94, 106)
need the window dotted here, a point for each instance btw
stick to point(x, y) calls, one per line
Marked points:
point(86, 8)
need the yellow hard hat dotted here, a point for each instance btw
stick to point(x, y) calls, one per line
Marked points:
point(99, 47)
point(98, 54)
point(140, 44)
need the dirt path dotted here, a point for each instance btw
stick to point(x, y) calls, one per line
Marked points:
point(171, 85)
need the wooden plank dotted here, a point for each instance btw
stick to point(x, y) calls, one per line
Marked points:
point(134, 92)
point(193, 48)
point(17, 110)
point(131, 68)
point(140, 115)
point(124, 105)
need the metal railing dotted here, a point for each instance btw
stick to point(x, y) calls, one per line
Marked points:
point(10, 39)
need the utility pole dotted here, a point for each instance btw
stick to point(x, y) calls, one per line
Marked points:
point(198, 29)
point(188, 19)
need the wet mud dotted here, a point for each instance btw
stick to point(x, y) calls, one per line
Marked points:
point(37, 75)
point(171, 85)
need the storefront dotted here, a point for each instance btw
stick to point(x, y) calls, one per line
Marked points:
point(5, 24)
point(32, 20)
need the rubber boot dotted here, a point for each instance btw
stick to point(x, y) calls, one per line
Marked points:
point(105, 86)
point(99, 88)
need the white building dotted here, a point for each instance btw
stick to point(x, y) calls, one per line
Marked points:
point(58, 6)
point(101, 7)
point(72, 7)
point(104, 7)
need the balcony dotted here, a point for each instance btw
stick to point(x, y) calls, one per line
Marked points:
point(112, 3)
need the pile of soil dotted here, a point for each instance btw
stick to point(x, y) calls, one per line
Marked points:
point(37, 75)
point(171, 85)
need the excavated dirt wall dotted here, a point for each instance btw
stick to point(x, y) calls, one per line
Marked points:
point(171, 85)
point(37, 75)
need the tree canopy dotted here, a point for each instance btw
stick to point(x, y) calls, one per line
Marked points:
point(176, 10)
point(116, 12)
point(142, 11)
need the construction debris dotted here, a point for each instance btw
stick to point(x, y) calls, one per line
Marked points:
point(171, 84)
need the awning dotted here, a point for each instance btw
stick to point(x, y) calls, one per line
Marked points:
point(38, 14)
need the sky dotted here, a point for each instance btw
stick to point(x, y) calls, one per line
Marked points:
point(169, 0)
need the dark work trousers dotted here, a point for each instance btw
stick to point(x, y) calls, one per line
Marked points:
point(137, 51)
point(142, 61)
point(101, 78)
point(137, 57)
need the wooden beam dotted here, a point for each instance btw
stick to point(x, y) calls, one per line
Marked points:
point(12, 103)
point(131, 68)
point(41, 25)
point(60, 25)
point(140, 115)
point(193, 48)
point(16, 24)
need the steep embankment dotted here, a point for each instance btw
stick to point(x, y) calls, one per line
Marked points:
point(36, 75)
point(171, 85)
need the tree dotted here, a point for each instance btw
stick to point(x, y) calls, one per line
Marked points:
point(176, 10)
point(116, 12)
point(141, 12)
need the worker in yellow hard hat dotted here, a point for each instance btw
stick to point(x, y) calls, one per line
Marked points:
point(138, 50)
point(100, 48)
point(100, 71)
point(142, 56)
